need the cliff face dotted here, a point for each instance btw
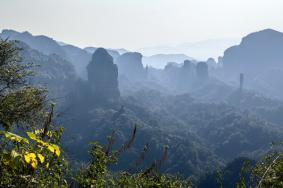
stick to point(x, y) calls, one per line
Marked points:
point(79, 58)
point(202, 71)
point(257, 51)
point(130, 65)
point(260, 57)
point(103, 75)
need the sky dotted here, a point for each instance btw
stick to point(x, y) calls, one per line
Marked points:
point(135, 24)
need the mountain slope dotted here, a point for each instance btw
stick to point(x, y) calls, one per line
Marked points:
point(258, 50)
point(52, 71)
point(260, 58)
point(41, 43)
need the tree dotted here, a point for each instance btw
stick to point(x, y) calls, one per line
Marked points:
point(20, 103)
point(30, 152)
point(32, 157)
point(97, 173)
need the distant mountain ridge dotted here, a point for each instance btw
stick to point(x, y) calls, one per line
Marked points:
point(46, 45)
point(260, 57)
point(80, 57)
point(263, 49)
point(201, 50)
point(161, 60)
point(41, 43)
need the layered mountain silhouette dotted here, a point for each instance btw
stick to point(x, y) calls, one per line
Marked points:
point(46, 45)
point(259, 50)
point(52, 71)
point(260, 57)
point(78, 57)
point(187, 105)
point(41, 43)
point(161, 60)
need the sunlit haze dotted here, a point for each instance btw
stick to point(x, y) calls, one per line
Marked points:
point(136, 24)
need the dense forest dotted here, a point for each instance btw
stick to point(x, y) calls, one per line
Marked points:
point(97, 117)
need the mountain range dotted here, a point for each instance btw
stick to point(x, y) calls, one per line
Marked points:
point(80, 57)
point(191, 106)
point(262, 50)
point(201, 50)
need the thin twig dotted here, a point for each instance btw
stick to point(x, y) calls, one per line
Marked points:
point(259, 184)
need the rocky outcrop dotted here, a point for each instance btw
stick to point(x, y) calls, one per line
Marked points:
point(103, 76)
point(256, 52)
point(211, 63)
point(186, 76)
point(113, 53)
point(201, 72)
point(130, 65)
point(188, 67)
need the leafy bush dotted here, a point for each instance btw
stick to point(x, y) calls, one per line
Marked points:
point(269, 171)
point(35, 159)
point(31, 161)
point(97, 173)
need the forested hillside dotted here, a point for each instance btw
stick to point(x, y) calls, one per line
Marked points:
point(186, 125)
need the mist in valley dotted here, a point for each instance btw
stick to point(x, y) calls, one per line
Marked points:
point(201, 116)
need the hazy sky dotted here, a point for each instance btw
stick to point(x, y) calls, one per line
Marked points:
point(134, 24)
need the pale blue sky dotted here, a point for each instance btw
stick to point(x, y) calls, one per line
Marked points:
point(135, 24)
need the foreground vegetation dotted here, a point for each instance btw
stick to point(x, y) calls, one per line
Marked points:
point(31, 154)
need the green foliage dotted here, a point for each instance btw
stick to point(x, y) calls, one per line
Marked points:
point(269, 171)
point(199, 133)
point(20, 103)
point(31, 162)
point(33, 157)
point(12, 72)
point(158, 180)
point(36, 160)
point(97, 174)
point(21, 107)
point(202, 136)
point(234, 174)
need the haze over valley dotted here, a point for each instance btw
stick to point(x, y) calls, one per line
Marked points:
point(152, 94)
